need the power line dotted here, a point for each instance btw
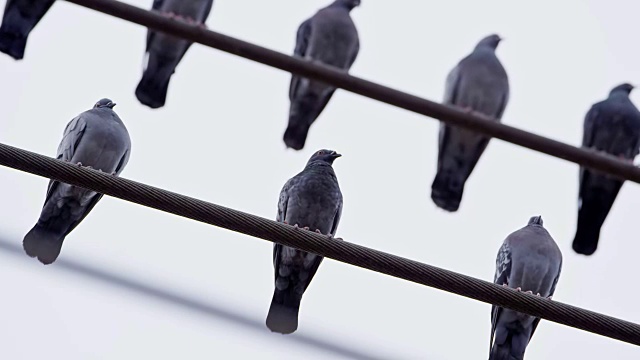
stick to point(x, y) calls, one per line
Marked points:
point(318, 244)
point(588, 158)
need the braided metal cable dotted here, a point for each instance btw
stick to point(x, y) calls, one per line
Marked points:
point(153, 20)
point(322, 245)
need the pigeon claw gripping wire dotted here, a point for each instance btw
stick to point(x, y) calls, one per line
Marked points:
point(79, 163)
point(318, 231)
point(518, 288)
point(305, 228)
point(172, 15)
point(187, 19)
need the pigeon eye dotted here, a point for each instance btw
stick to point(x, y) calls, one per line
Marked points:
point(320, 152)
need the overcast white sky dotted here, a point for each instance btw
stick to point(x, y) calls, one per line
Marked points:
point(219, 139)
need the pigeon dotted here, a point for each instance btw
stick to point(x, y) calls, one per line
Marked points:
point(311, 200)
point(20, 17)
point(611, 126)
point(164, 52)
point(329, 37)
point(529, 260)
point(97, 139)
point(478, 84)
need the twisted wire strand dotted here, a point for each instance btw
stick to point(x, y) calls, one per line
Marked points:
point(342, 251)
point(589, 158)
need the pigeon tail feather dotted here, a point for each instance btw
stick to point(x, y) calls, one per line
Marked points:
point(152, 88)
point(590, 219)
point(43, 243)
point(12, 44)
point(512, 348)
point(296, 135)
point(302, 114)
point(283, 312)
point(447, 190)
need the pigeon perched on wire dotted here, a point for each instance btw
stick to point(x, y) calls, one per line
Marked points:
point(529, 260)
point(20, 17)
point(478, 84)
point(310, 200)
point(329, 37)
point(164, 52)
point(611, 126)
point(97, 139)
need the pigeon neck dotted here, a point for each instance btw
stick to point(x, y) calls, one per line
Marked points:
point(318, 164)
point(619, 93)
point(484, 48)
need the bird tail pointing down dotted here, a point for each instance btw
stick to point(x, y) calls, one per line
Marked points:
point(447, 190)
point(595, 206)
point(152, 88)
point(12, 44)
point(283, 313)
point(512, 348)
point(42, 243)
point(302, 114)
point(588, 230)
point(296, 135)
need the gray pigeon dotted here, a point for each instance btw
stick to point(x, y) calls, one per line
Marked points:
point(20, 17)
point(478, 84)
point(529, 260)
point(329, 37)
point(312, 200)
point(164, 52)
point(96, 138)
point(611, 126)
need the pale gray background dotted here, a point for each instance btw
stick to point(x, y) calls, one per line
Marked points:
point(219, 139)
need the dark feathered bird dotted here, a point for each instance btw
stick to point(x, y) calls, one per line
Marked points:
point(529, 260)
point(478, 84)
point(20, 17)
point(311, 200)
point(96, 138)
point(611, 126)
point(329, 37)
point(164, 52)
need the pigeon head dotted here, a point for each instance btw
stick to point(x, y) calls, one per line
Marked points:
point(489, 42)
point(104, 103)
point(324, 156)
point(349, 4)
point(624, 88)
point(536, 220)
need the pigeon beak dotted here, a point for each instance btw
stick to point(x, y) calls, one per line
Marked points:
point(111, 105)
point(335, 155)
